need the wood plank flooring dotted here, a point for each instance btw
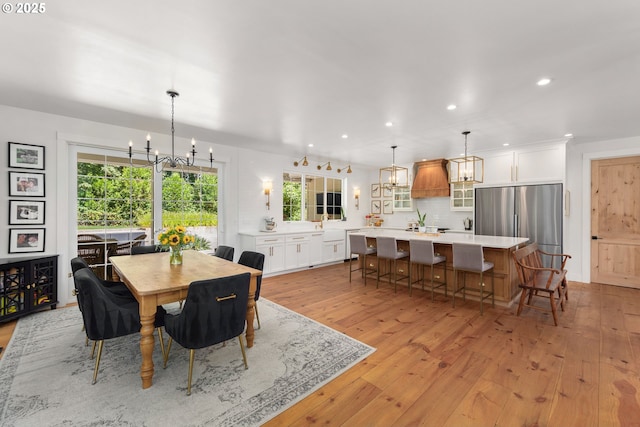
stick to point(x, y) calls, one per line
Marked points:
point(440, 366)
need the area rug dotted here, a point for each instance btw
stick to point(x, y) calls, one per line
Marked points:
point(46, 373)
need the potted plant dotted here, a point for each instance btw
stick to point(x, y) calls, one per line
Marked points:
point(421, 222)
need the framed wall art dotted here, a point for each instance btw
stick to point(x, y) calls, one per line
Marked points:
point(26, 184)
point(387, 192)
point(26, 156)
point(26, 212)
point(23, 240)
point(387, 207)
point(375, 190)
point(376, 207)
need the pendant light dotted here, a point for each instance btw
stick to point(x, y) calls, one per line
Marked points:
point(469, 169)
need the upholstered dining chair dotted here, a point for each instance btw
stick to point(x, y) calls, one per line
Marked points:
point(470, 258)
point(147, 249)
point(358, 246)
point(106, 315)
point(254, 260)
point(117, 288)
point(224, 252)
point(213, 312)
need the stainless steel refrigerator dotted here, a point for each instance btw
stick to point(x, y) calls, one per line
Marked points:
point(533, 211)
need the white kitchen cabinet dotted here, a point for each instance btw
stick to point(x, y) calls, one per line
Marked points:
point(333, 250)
point(529, 165)
point(273, 249)
point(462, 196)
point(296, 251)
point(315, 249)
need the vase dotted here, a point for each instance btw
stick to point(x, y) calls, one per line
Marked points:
point(175, 256)
point(422, 229)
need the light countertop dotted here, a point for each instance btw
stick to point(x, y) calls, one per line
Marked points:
point(498, 242)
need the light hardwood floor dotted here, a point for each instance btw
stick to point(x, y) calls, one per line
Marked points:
point(439, 366)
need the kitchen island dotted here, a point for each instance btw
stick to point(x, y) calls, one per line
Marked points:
point(497, 249)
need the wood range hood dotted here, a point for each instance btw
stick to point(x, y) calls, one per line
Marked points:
point(431, 179)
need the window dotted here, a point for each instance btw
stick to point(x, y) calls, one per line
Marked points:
point(115, 206)
point(318, 196)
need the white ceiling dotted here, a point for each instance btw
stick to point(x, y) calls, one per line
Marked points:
point(280, 74)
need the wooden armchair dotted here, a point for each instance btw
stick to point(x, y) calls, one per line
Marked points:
point(537, 280)
point(125, 248)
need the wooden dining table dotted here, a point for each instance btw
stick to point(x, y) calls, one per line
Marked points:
point(154, 281)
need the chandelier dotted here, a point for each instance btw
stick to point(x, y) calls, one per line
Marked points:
point(172, 161)
point(468, 169)
point(394, 176)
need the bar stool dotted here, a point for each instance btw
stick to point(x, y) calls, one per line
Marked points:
point(388, 250)
point(358, 245)
point(421, 252)
point(470, 258)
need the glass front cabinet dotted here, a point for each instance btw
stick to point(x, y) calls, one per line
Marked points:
point(462, 196)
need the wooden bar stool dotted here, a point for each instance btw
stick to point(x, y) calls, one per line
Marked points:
point(421, 252)
point(358, 245)
point(388, 250)
point(470, 258)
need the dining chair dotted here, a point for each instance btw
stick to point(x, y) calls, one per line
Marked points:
point(469, 258)
point(254, 260)
point(213, 312)
point(106, 315)
point(224, 252)
point(387, 249)
point(358, 246)
point(422, 253)
point(117, 288)
point(147, 249)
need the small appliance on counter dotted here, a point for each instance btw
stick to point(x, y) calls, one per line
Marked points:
point(269, 224)
point(468, 223)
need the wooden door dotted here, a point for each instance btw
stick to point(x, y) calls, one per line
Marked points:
point(615, 221)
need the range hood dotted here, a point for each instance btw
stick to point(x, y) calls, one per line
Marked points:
point(431, 179)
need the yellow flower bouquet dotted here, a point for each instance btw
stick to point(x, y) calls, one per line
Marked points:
point(176, 239)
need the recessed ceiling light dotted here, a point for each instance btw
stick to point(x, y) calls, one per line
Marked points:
point(544, 81)
point(451, 107)
point(506, 144)
point(388, 124)
point(310, 145)
point(568, 135)
point(345, 136)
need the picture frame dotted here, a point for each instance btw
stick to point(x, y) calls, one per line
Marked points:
point(375, 190)
point(26, 156)
point(387, 207)
point(387, 192)
point(376, 207)
point(26, 184)
point(26, 212)
point(23, 240)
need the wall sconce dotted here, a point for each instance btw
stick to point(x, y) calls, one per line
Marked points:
point(267, 186)
point(356, 195)
point(303, 160)
point(348, 169)
point(322, 165)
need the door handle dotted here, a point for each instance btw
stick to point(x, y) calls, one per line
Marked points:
point(595, 238)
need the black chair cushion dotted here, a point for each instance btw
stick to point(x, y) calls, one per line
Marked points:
point(208, 316)
point(147, 249)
